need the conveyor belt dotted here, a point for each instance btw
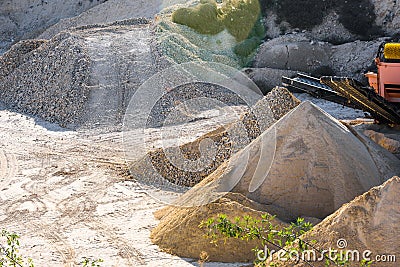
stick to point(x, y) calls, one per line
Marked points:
point(365, 98)
point(311, 85)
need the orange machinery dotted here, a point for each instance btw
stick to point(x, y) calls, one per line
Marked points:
point(386, 81)
point(381, 99)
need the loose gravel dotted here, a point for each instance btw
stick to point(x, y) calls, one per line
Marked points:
point(226, 141)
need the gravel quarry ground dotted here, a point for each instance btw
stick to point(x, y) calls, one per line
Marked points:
point(67, 196)
point(68, 191)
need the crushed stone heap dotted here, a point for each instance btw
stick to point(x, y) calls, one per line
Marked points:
point(310, 165)
point(79, 77)
point(269, 109)
point(47, 78)
point(107, 12)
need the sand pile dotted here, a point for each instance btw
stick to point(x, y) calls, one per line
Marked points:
point(269, 109)
point(306, 165)
point(310, 164)
point(369, 222)
point(392, 145)
point(178, 231)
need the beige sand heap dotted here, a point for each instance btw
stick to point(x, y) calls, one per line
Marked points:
point(310, 165)
point(369, 222)
point(179, 232)
point(317, 164)
point(388, 143)
point(268, 109)
point(307, 163)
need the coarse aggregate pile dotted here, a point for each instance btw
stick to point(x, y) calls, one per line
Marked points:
point(227, 142)
point(81, 77)
point(47, 79)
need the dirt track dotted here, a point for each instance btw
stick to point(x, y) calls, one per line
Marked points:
point(65, 193)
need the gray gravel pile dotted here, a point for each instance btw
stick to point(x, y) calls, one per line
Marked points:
point(166, 112)
point(48, 81)
point(175, 164)
point(17, 55)
point(107, 12)
point(80, 78)
point(126, 22)
point(121, 62)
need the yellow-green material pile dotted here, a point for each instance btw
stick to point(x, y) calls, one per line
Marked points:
point(226, 33)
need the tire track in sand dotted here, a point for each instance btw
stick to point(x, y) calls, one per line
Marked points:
point(62, 246)
point(126, 251)
point(8, 168)
point(81, 207)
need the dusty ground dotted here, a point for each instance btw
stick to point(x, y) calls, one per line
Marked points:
point(66, 194)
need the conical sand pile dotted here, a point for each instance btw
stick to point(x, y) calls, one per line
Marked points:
point(317, 164)
point(369, 222)
point(307, 164)
point(179, 231)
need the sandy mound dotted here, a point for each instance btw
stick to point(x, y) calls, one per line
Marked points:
point(178, 231)
point(310, 165)
point(317, 164)
point(390, 144)
point(369, 222)
point(269, 109)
